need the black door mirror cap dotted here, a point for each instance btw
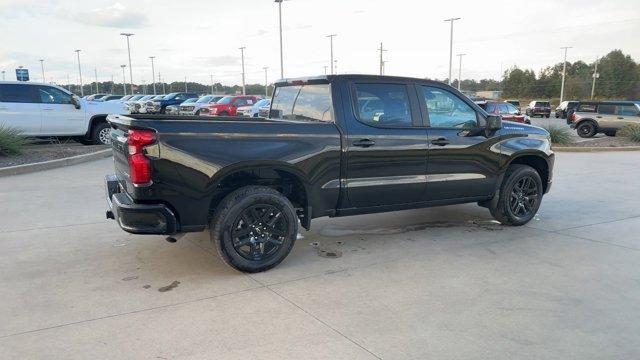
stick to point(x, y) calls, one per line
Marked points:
point(494, 123)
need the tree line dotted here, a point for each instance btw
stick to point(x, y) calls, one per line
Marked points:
point(619, 78)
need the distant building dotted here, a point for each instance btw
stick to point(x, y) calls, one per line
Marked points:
point(490, 94)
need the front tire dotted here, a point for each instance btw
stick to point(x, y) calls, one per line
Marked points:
point(520, 196)
point(254, 228)
point(101, 134)
point(586, 129)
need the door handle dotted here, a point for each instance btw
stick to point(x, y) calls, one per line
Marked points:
point(441, 141)
point(364, 143)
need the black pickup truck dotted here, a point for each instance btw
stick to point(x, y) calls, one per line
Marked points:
point(332, 146)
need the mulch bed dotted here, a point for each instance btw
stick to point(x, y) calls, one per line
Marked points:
point(45, 151)
point(606, 141)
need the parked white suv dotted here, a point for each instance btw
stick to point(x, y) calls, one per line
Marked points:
point(49, 110)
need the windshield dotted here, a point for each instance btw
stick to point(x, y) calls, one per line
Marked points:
point(225, 100)
point(204, 99)
point(304, 102)
point(136, 97)
point(189, 101)
point(261, 103)
point(170, 96)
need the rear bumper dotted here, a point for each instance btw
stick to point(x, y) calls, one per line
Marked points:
point(137, 218)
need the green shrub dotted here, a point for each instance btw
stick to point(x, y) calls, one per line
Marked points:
point(11, 141)
point(630, 131)
point(559, 135)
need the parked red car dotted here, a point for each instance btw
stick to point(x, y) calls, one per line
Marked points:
point(507, 110)
point(228, 105)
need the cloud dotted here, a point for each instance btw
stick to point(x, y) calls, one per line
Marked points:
point(222, 60)
point(116, 16)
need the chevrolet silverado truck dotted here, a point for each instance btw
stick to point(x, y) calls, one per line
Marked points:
point(332, 146)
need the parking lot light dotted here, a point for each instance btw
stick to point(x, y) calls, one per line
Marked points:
point(3, 75)
point(124, 80)
point(451, 46)
point(80, 73)
point(280, 25)
point(331, 44)
point(153, 74)
point(42, 66)
point(266, 82)
point(242, 57)
point(129, 52)
point(564, 71)
point(460, 69)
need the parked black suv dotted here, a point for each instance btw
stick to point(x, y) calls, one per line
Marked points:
point(333, 146)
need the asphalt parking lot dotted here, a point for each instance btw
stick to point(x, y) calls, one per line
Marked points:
point(440, 283)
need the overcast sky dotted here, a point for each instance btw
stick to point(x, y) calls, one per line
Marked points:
point(198, 38)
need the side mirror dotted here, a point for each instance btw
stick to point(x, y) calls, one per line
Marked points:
point(75, 101)
point(494, 122)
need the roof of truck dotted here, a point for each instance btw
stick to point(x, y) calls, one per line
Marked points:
point(329, 78)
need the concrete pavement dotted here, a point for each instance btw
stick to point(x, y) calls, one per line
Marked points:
point(440, 283)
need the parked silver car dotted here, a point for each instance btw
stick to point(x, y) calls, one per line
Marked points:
point(140, 106)
point(149, 106)
point(193, 108)
point(606, 117)
point(128, 104)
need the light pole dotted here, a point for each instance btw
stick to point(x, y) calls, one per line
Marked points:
point(211, 75)
point(381, 61)
point(242, 57)
point(325, 69)
point(595, 76)
point(185, 85)
point(68, 83)
point(331, 42)
point(161, 82)
point(451, 46)
point(124, 80)
point(42, 66)
point(153, 74)
point(460, 69)
point(129, 52)
point(266, 82)
point(95, 71)
point(3, 75)
point(564, 71)
point(335, 65)
point(80, 73)
point(280, 24)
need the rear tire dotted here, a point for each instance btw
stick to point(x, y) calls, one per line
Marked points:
point(254, 228)
point(101, 134)
point(586, 129)
point(520, 196)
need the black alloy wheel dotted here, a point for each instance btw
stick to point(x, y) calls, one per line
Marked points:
point(258, 232)
point(524, 197)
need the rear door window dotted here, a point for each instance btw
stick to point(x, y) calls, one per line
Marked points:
point(606, 109)
point(385, 105)
point(303, 102)
point(18, 93)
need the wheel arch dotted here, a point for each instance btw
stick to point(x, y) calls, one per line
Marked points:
point(95, 120)
point(282, 177)
point(538, 162)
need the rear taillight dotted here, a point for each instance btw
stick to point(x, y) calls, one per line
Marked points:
point(139, 165)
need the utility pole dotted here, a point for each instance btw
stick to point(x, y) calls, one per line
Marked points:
point(211, 75)
point(80, 73)
point(242, 56)
point(128, 35)
point(280, 24)
point(451, 20)
point(95, 71)
point(266, 82)
point(325, 69)
point(161, 82)
point(381, 61)
point(124, 81)
point(44, 81)
point(144, 87)
point(153, 74)
point(331, 41)
point(112, 84)
point(595, 76)
point(460, 70)
point(185, 84)
point(564, 71)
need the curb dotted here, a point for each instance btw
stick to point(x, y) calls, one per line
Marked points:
point(594, 149)
point(52, 164)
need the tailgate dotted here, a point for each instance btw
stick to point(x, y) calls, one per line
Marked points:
point(119, 134)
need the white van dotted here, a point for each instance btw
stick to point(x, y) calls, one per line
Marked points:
point(49, 110)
